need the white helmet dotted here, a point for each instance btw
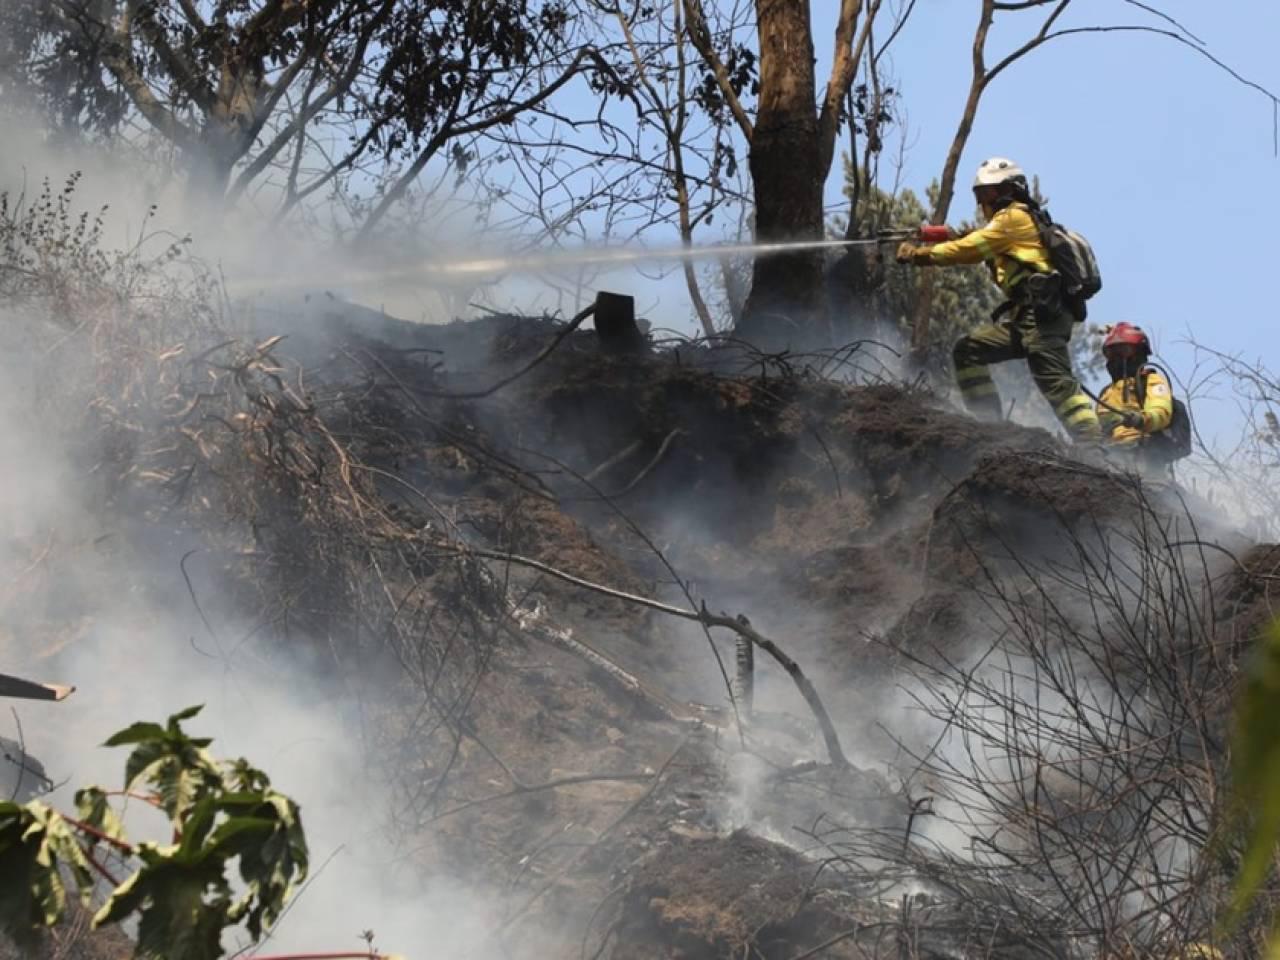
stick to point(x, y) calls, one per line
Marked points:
point(996, 171)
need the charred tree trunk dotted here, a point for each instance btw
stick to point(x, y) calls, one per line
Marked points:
point(787, 299)
point(227, 134)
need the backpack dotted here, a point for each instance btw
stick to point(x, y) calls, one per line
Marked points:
point(1071, 256)
point(1175, 441)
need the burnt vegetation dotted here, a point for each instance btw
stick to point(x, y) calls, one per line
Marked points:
point(562, 577)
point(745, 644)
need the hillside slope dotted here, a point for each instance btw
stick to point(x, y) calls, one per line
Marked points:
point(1023, 655)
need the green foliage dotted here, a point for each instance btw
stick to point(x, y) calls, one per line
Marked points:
point(177, 765)
point(94, 808)
point(404, 71)
point(180, 893)
point(35, 841)
point(1256, 773)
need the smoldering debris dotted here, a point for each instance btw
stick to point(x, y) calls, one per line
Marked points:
point(487, 636)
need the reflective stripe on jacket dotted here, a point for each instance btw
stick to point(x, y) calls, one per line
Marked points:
point(1123, 395)
point(1010, 242)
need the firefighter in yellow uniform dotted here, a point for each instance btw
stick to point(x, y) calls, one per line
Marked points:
point(1033, 323)
point(1139, 401)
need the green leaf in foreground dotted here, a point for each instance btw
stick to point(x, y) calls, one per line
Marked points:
point(34, 843)
point(1256, 770)
point(223, 816)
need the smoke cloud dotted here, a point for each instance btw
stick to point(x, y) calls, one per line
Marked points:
point(101, 599)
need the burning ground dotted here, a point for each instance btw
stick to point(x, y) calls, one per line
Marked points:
point(569, 624)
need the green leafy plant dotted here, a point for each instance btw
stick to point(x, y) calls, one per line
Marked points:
point(224, 816)
point(1256, 777)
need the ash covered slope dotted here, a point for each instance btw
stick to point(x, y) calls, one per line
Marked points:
point(881, 540)
point(561, 767)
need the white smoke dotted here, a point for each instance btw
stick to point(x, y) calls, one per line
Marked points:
point(94, 598)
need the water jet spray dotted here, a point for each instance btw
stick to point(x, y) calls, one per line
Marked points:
point(445, 271)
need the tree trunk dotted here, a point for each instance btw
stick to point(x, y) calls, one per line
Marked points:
point(226, 134)
point(209, 166)
point(787, 303)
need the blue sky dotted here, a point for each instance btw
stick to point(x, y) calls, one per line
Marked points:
point(1165, 162)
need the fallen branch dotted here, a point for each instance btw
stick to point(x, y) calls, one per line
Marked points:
point(738, 625)
point(533, 622)
point(616, 459)
point(647, 540)
point(624, 454)
point(657, 458)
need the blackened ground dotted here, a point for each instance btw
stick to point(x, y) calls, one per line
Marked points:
point(848, 521)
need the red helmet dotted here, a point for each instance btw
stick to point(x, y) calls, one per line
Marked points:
point(1126, 340)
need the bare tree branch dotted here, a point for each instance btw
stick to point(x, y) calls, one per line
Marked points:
point(703, 42)
point(738, 625)
point(452, 130)
point(184, 71)
point(849, 54)
point(341, 84)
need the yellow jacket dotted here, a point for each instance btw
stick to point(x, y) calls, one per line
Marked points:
point(1156, 410)
point(1010, 242)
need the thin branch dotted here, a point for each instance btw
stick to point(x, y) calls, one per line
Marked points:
point(22, 756)
point(180, 66)
point(739, 625)
point(704, 43)
point(1041, 36)
point(1022, 4)
point(1165, 17)
point(121, 845)
point(897, 29)
point(451, 130)
point(489, 391)
point(101, 870)
point(1159, 31)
